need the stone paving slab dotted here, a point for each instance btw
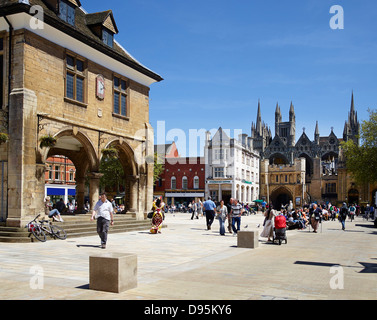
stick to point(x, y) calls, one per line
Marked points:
point(188, 262)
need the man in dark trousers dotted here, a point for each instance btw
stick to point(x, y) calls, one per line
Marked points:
point(209, 208)
point(343, 215)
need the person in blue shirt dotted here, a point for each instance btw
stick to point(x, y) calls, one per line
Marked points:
point(209, 209)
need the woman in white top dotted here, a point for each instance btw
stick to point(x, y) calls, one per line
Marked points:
point(222, 215)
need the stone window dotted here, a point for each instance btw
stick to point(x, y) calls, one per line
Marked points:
point(75, 78)
point(120, 97)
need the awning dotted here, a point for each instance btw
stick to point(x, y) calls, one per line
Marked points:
point(55, 192)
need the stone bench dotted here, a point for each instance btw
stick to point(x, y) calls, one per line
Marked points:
point(248, 239)
point(113, 272)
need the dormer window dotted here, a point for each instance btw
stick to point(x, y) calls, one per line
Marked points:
point(107, 37)
point(67, 12)
point(103, 26)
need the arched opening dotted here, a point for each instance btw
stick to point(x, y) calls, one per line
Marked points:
point(281, 197)
point(123, 185)
point(353, 196)
point(329, 163)
point(69, 162)
point(308, 166)
point(278, 158)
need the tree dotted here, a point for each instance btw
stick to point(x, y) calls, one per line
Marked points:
point(158, 168)
point(361, 160)
point(113, 174)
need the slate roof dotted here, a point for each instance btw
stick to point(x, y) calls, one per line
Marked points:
point(81, 31)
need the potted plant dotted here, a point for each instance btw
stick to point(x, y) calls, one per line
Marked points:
point(110, 152)
point(47, 141)
point(3, 137)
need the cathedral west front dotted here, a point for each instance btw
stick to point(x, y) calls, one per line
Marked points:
point(309, 169)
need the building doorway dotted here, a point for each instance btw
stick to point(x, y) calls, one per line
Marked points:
point(353, 196)
point(281, 198)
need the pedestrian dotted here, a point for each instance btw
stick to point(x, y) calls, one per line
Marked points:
point(343, 215)
point(52, 213)
point(158, 216)
point(229, 207)
point(315, 218)
point(352, 211)
point(200, 209)
point(268, 230)
point(236, 213)
point(222, 215)
point(194, 210)
point(104, 211)
point(209, 208)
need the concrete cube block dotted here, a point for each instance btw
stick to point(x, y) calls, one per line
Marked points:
point(113, 272)
point(248, 239)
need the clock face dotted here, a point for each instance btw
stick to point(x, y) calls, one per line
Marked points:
point(100, 90)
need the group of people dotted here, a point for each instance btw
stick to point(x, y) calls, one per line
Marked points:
point(312, 214)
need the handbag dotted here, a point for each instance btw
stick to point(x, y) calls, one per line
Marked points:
point(150, 215)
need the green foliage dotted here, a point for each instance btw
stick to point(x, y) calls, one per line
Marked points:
point(110, 153)
point(158, 168)
point(113, 174)
point(361, 160)
point(47, 141)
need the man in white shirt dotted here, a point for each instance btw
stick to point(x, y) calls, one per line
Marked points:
point(104, 210)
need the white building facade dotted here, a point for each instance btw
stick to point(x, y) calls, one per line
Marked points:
point(232, 168)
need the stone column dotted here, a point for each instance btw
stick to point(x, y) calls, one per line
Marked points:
point(80, 194)
point(134, 190)
point(25, 193)
point(94, 178)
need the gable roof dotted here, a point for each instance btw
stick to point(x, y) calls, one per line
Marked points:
point(80, 31)
point(105, 18)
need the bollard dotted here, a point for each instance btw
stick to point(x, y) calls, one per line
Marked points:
point(113, 272)
point(248, 239)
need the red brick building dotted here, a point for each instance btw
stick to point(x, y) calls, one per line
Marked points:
point(182, 181)
point(60, 179)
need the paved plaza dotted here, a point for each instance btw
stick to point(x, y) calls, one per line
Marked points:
point(187, 262)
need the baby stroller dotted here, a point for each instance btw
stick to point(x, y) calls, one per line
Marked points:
point(280, 229)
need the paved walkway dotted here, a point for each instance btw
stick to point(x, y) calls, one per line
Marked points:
point(188, 262)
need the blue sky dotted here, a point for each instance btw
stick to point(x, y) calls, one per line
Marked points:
point(219, 57)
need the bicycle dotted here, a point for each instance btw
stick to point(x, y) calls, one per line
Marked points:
point(39, 230)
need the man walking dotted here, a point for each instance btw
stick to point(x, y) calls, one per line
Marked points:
point(229, 208)
point(237, 211)
point(343, 215)
point(104, 210)
point(209, 208)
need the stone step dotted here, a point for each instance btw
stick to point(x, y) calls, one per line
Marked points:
point(76, 226)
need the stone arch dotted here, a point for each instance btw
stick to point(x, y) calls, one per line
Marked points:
point(126, 156)
point(87, 147)
point(281, 196)
point(278, 158)
point(309, 165)
point(134, 173)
